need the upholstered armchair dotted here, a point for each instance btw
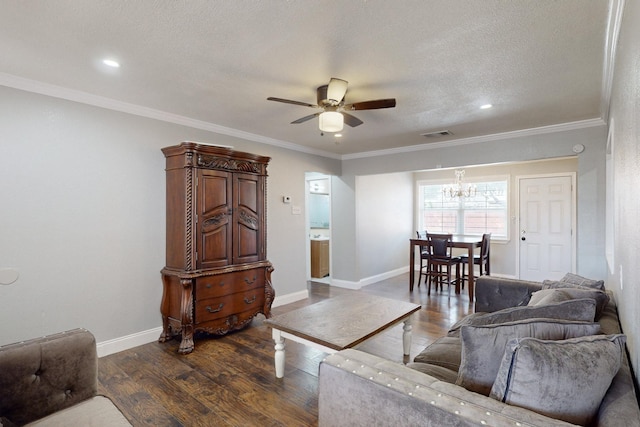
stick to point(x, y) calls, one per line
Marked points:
point(53, 381)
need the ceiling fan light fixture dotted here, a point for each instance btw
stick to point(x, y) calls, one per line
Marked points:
point(331, 121)
point(336, 90)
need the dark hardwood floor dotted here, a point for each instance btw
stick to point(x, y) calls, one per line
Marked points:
point(230, 380)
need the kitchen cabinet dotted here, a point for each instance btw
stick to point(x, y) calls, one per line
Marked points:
point(319, 258)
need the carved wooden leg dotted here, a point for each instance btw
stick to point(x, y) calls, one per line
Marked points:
point(186, 345)
point(406, 336)
point(166, 330)
point(269, 292)
point(279, 356)
point(164, 310)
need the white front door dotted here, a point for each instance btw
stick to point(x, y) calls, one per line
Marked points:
point(546, 218)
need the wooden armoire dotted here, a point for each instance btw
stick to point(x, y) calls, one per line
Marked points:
point(217, 277)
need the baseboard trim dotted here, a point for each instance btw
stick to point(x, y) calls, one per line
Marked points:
point(368, 280)
point(289, 298)
point(127, 342)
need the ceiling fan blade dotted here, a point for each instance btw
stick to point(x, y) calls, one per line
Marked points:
point(288, 101)
point(351, 120)
point(305, 118)
point(371, 105)
point(337, 89)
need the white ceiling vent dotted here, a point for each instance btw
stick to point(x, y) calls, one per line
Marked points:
point(437, 134)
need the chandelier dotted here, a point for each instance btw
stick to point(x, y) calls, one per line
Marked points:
point(458, 189)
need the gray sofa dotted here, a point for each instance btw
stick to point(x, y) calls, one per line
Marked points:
point(53, 381)
point(360, 389)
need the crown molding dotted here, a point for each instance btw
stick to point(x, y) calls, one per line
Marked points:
point(55, 91)
point(582, 124)
point(616, 7)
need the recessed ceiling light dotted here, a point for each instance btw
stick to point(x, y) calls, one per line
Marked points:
point(485, 106)
point(111, 63)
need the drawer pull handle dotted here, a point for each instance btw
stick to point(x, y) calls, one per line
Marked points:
point(250, 301)
point(249, 282)
point(211, 310)
point(209, 286)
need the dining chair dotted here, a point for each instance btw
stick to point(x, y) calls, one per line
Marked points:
point(425, 258)
point(482, 260)
point(442, 261)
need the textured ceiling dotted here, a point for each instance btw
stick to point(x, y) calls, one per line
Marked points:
point(539, 62)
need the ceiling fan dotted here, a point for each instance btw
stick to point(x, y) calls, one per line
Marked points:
point(334, 110)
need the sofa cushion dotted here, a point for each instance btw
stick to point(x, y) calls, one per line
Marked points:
point(561, 379)
point(97, 411)
point(583, 281)
point(576, 291)
point(484, 346)
point(583, 309)
point(443, 352)
point(443, 374)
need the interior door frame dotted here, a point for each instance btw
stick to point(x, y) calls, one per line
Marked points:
point(312, 176)
point(574, 215)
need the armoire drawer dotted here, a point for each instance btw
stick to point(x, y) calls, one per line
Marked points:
point(213, 308)
point(229, 283)
point(228, 323)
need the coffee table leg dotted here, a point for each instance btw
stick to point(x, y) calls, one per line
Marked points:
point(279, 357)
point(406, 336)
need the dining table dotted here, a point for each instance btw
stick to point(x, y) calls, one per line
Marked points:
point(459, 241)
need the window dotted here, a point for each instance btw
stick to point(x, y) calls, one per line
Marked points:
point(485, 212)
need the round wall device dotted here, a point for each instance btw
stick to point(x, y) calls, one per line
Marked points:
point(578, 148)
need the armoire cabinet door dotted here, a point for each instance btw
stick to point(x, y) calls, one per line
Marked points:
point(248, 207)
point(214, 218)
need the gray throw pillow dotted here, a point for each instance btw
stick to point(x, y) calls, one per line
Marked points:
point(583, 310)
point(566, 380)
point(577, 291)
point(549, 297)
point(483, 346)
point(583, 281)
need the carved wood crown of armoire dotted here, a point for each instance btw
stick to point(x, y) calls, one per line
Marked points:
point(216, 277)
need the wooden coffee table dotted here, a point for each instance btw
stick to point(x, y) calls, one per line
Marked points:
point(340, 322)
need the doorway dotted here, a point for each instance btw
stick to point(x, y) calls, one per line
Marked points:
point(546, 220)
point(318, 201)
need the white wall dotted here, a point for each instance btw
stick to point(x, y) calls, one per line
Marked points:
point(625, 131)
point(384, 218)
point(83, 215)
